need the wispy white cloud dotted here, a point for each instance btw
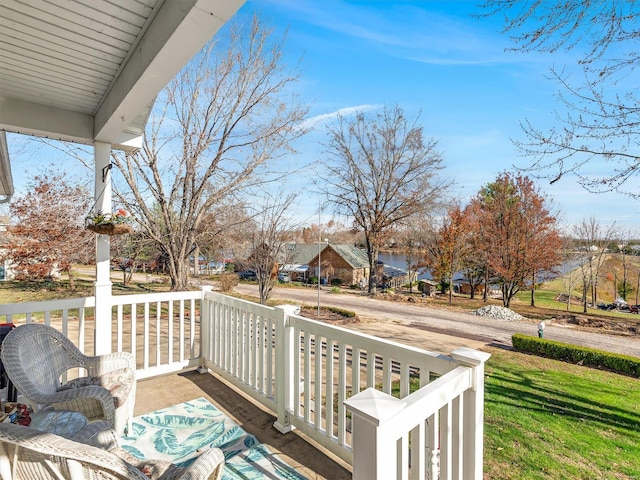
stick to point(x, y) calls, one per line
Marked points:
point(413, 31)
point(342, 112)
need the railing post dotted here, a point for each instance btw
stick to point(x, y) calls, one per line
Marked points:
point(285, 356)
point(375, 454)
point(205, 329)
point(473, 412)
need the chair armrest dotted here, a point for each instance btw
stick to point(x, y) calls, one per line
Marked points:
point(108, 363)
point(75, 397)
point(209, 465)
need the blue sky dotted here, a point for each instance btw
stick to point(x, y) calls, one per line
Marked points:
point(431, 57)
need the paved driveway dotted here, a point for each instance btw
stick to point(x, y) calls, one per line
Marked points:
point(407, 322)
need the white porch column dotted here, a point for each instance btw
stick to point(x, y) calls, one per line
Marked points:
point(102, 196)
point(473, 412)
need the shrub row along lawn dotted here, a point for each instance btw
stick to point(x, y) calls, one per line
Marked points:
point(546, 419)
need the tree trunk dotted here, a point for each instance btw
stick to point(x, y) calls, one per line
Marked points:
point(178, 271)
point(485, 296)
point(373, 272)
point(506, 299)
point(533, 289)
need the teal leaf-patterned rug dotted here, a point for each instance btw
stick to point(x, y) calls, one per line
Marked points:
point(176, 433)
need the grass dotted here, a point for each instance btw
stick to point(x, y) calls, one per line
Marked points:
point(549, 420)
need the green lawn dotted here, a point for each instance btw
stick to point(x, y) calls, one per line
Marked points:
point(550, 420)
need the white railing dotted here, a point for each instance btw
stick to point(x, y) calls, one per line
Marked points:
point(410, 414)
point(424, 408)
point(166, 326)
point(73, 317)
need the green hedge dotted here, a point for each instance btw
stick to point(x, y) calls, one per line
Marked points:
point(589, 357)
point(341, 311)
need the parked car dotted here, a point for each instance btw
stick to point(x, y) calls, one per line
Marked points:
point(248, 275)
point(284, 277)
point(606, 306)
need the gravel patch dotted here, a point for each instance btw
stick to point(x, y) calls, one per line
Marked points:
point(499, 313)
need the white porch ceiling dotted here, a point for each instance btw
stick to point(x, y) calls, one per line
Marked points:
point(89, 70)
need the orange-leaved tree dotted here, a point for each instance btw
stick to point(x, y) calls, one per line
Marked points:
point(47, 234)
point(519, 234)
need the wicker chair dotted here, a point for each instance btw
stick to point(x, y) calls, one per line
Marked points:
point(37, 356)
point(27, 454)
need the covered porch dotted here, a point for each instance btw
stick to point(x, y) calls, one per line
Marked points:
point(334, 402)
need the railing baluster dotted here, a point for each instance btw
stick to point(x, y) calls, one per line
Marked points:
point(342, 394)
point(317, 380)
point(297, 374)
point(134, 331)
point(158, 332)
point(145, 338)
point(181, 331)
point(170, 330)
point(307, 376)
point(329, 388)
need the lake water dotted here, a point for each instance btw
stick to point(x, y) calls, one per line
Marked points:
point(400, 261)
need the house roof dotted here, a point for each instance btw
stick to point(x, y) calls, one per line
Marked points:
point(90, 71)
point(354, 256)
point(305, 253)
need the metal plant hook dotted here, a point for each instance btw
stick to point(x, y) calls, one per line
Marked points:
point(105, 170)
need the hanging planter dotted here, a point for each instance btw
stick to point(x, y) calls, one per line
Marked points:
point(111, 228)
point(110, 223)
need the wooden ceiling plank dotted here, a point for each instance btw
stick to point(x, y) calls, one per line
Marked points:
point(58, 85)
point(36, 66)
point(60, 28)
point(56, 46)
point(140, 9)
point(53, 99)
point(67, 15)
point(118, 21)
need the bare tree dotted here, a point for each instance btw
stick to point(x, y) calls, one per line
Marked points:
point(450, 245)
point(572, 276)
point(623, 241)
point(593, 241)
point(381, 171)
point(413, 234)
point(222, 123)
point(223, 232)
point(275, 228)
point(599, 122)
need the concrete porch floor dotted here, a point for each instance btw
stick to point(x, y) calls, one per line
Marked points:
point(164, 391)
